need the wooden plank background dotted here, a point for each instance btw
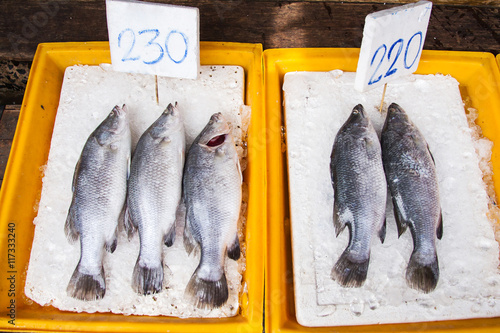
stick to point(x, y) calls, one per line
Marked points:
point(275, 24)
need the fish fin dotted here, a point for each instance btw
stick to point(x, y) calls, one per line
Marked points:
point(233, 251)
point(439, 229)
point(75, 175)
point(350, 273)
point(147, 280)
point(239, 168)
point(423, 277)
point(206, 294)
point(337, 222)
point(400, 222)
point(432, 157)
point(86, 287)
point(128, 223)
point(382, 231)
point(121, 217)
point(129, 164)
point(169, 237)
point(110, 245)
point(189, 242)
point(70, 227)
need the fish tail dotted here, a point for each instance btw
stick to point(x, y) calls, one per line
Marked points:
point(86, 287)
point(147, 280)
point(207, 294)
point(349, 272)
point(422, 274)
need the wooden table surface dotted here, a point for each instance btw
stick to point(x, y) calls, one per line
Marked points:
point(474, 26)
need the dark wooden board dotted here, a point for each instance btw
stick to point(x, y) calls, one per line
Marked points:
point(8, 122)
point(275, 24)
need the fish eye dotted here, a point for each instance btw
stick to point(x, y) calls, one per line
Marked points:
point(216, 141)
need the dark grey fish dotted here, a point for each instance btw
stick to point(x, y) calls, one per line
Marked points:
point(154, 192)
point(360, 194)
point(99, 190)
point(212, 194)
point(412, 179)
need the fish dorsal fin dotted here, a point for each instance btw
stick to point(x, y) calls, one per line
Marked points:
point(338, 223)
point(75, 175)
point(382, 231)
point(128, 222)
point(239, 168)
point(233, 250)
point(111, 243)
point(190, 243)
point(439, 228)
point(71, 228)
point(399, 216)
point(430, 153)
point(169, 237)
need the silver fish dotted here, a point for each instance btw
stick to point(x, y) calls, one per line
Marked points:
point(360, 194)
point(99, 191)
point(412, 179)
point(212, 194)
point(154, 192)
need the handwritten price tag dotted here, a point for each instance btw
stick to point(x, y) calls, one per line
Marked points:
point(153, 38)
point(392, 44)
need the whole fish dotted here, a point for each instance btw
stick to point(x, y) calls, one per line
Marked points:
point(412, 179)
point(212, 194)
point(360, 194)
point(154, 192)
point(99, 191)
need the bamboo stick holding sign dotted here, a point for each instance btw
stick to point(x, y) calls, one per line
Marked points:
point(151, 38)
point(392, 44)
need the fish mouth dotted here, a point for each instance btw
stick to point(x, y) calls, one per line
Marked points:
point(217, 117)
point(395, 108)
point(120, 123)
point(119, 111)
point(216, 132)
point(171, 109)
point(359, 110)
point(217, 140)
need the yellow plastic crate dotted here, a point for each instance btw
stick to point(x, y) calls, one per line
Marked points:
point(479, 80)
point(21, 191)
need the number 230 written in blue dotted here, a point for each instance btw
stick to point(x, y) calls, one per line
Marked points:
point(390, 56)
point(132, 52)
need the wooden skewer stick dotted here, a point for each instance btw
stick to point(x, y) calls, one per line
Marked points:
point(383, 96)
point(156, 90)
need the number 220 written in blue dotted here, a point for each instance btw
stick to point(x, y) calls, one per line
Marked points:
point(393, 54)
point(127, 40)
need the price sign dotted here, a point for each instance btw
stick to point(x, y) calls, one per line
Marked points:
point(392, 44)
point(154, 38)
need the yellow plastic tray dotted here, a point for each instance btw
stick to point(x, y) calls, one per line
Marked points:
point(22, 187)
point(479, 80)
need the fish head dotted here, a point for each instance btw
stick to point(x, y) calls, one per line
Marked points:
point(396, 117)
point(114, 127)
point(169, 121)
point(357, 121)
point(216, 136)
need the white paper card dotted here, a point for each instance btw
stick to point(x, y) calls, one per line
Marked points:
point(152, 38)
point(392, 44)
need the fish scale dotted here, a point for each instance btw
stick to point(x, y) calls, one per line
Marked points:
point(412, 180)
point(99, 190)
point(154, 193)
point(360, 192)
point(212, 194)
